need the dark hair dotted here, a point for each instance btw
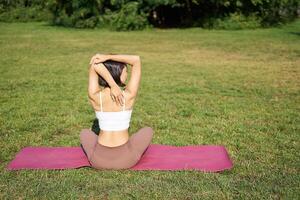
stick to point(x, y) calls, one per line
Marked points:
point(115, 68)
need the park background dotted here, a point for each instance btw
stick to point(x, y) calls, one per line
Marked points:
point(213, 72)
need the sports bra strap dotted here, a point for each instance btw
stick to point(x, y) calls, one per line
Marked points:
point(100, 101)
point(124, 101)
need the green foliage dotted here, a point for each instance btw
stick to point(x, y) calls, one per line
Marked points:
point(235, 21)
point(277, 12)
point(118, 15)
point(139, 14)
point(233, 14)
point(23, 13)
point(77, 13)
point(128, 18)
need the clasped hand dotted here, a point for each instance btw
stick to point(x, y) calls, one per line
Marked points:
point(98, 58)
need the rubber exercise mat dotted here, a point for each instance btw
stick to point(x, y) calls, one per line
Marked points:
point(208, 158)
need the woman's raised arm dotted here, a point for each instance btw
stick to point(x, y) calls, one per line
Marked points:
point(135, 62)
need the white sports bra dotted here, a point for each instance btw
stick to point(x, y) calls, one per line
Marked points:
point(113, 121)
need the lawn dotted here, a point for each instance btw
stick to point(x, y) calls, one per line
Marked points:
point(240, 89)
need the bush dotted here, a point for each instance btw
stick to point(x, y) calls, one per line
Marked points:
point(277, 12)
point(74, 21)
point(25, 14)
point(236, 21)
point(80, 15)
point(123, 15)
point(76, 13)
point(127, 18)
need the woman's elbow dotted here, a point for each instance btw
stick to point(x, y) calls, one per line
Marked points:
point(91, 96)
point(137, 60)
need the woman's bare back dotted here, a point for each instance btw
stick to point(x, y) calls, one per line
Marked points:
point(113, 138)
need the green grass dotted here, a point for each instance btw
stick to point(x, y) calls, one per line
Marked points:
point(239, 89)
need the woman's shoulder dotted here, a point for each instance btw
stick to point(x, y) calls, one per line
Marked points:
point(95, 99)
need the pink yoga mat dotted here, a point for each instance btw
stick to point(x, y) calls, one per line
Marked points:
point(207, 158)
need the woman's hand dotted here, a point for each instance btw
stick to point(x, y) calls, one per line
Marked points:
point(116, 94)
point(98, 58)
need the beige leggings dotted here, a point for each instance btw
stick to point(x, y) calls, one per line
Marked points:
point(120, 157)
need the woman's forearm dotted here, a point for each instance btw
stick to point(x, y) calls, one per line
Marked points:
point(104, 73)
point(130, 59)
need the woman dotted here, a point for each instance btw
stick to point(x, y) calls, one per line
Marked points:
point(113, 148)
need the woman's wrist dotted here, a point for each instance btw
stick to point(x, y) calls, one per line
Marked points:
point(108, 77)
point(112, 83)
